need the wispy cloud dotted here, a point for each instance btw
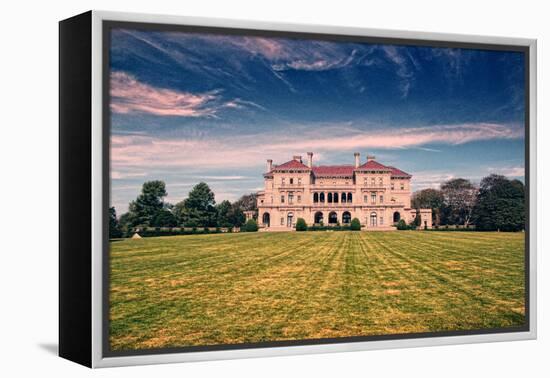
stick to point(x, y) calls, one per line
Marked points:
point(514, 172)
point(129, 95)
point(431, 179)
point(406, 65)
point(118, 175)
point(252, 150)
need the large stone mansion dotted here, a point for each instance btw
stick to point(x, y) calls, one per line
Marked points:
point(376, 194)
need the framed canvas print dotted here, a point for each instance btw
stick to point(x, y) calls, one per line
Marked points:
point(235, 189)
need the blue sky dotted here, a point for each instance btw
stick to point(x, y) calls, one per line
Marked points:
point(191, 107)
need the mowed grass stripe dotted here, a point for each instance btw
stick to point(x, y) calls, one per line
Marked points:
point(237, 288)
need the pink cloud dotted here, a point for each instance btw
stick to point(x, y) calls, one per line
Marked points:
point(251, 151)
point(131, 96)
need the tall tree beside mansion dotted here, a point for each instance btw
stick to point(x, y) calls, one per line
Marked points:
point(378, 195)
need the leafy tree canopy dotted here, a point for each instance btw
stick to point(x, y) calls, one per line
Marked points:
point(500, 204)
point(148, 204)
point(198, 209)
point(114, 227)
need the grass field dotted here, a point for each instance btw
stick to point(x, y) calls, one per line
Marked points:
point(244, 288)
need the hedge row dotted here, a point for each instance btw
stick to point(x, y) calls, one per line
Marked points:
point(329, 228)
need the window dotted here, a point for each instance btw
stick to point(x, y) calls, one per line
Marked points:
point(261, 201)
point(349, 197)
point(366, 199)
point(402, 186)
point(343, 198)
point(392, 186)
point(372, 181)
point(322, 197)
point(283, 181)
point(315, 197)
point(373, 197)
point(373, 219)
point(291, 181)
point(335, 197)
point(299, 181)
point(290, 197)
point(366, 183)
point(282, 199)
point(299, 199)
point(282, 221)
point(381, 201)
point(381, 181)
point(329, 198)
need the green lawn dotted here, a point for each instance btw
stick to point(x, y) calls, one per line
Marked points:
point(254, 287)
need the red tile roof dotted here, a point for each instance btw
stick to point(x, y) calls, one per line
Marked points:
point(373, 165)
point(398, 172)
point(333, 170)
point(292, 164)
point(339, 170)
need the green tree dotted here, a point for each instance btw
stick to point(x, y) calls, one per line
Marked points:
point(250, 226)
point(236, 216)
point(500, 204)
point(355, 225)
point(301, 224)
point(417, 221)
point(198, 209)
point(126, 221)
point(114, 226)
point(402, 225)
point(247, 202)
point(224, 210)
point(459, 200)
point(148, 204)
point(429, 199)
point(164, 218)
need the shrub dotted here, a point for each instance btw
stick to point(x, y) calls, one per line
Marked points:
point(250, 226)
point(355, 225)
point(402, 225)
point(301, 224)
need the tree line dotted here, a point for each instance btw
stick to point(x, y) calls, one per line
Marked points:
point(199, 209)
point(497, 204)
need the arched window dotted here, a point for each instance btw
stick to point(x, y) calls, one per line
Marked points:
point(343, 197)
point(373, 219)
point(346, 217)
point(396, 217)
point(266, 219)
point(289, 218)
point(335, 197)
point(329, 198)
point(332, 218)
point(321, 197)
point(349, 197)
point(315, 197)
point(318, 217)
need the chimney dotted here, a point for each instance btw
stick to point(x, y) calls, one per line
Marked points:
point(370, 157)
point(356, 154)
point(297, 158)
point(269, 165)
point(310, 159)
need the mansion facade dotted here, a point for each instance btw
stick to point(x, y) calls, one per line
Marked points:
point(376, 194)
